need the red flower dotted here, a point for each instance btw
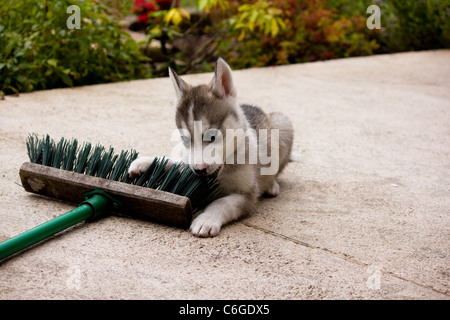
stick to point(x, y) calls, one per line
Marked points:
point(143, 17)
point(143, 5)
point(143, 8)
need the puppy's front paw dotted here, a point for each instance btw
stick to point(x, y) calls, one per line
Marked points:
point(273, 190)
point(139, 166)
point(206, 225)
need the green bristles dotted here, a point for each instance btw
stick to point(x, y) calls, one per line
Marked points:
point(152, 177)
point(58, 153)
point(47, 147)
point(69, 155)
point(34, 148)
point(94, 160)
point(119, 171)
point(82, 158)
point(99, 162)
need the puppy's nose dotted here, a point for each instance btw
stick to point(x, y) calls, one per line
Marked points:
point(200, 172)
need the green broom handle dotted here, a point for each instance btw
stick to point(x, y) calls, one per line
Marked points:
point(96, 204)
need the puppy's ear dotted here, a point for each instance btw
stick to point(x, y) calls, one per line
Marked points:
point(179, 84)
point(222, 84)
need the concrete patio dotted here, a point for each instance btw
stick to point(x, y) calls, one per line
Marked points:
point(364, 214)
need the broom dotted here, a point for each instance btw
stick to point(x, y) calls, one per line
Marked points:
point(98, 179)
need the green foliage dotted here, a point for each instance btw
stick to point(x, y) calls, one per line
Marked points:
point(416, 25)
point(256, 33)
point(118, 9)
point(259, 18)
point(406, 24)
point(263, 32)
point(39, 51)
point(284, 31)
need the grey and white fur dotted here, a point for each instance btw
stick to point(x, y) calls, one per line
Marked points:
point(217, 107)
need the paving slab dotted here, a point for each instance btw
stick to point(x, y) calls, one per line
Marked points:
point(363, 214)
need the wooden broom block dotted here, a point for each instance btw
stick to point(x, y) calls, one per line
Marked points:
point(139, 202)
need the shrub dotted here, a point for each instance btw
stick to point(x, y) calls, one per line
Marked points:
point(256, 33)
point(38, 51)
point(260, 33)
point(286, 31)
point(406, 24)
point(415, 25)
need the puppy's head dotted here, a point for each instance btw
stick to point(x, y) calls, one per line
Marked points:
point(203, 114)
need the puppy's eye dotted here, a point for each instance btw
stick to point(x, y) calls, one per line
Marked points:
point(210, 135)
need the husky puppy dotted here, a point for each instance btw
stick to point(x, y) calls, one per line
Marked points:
point(240, 139)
